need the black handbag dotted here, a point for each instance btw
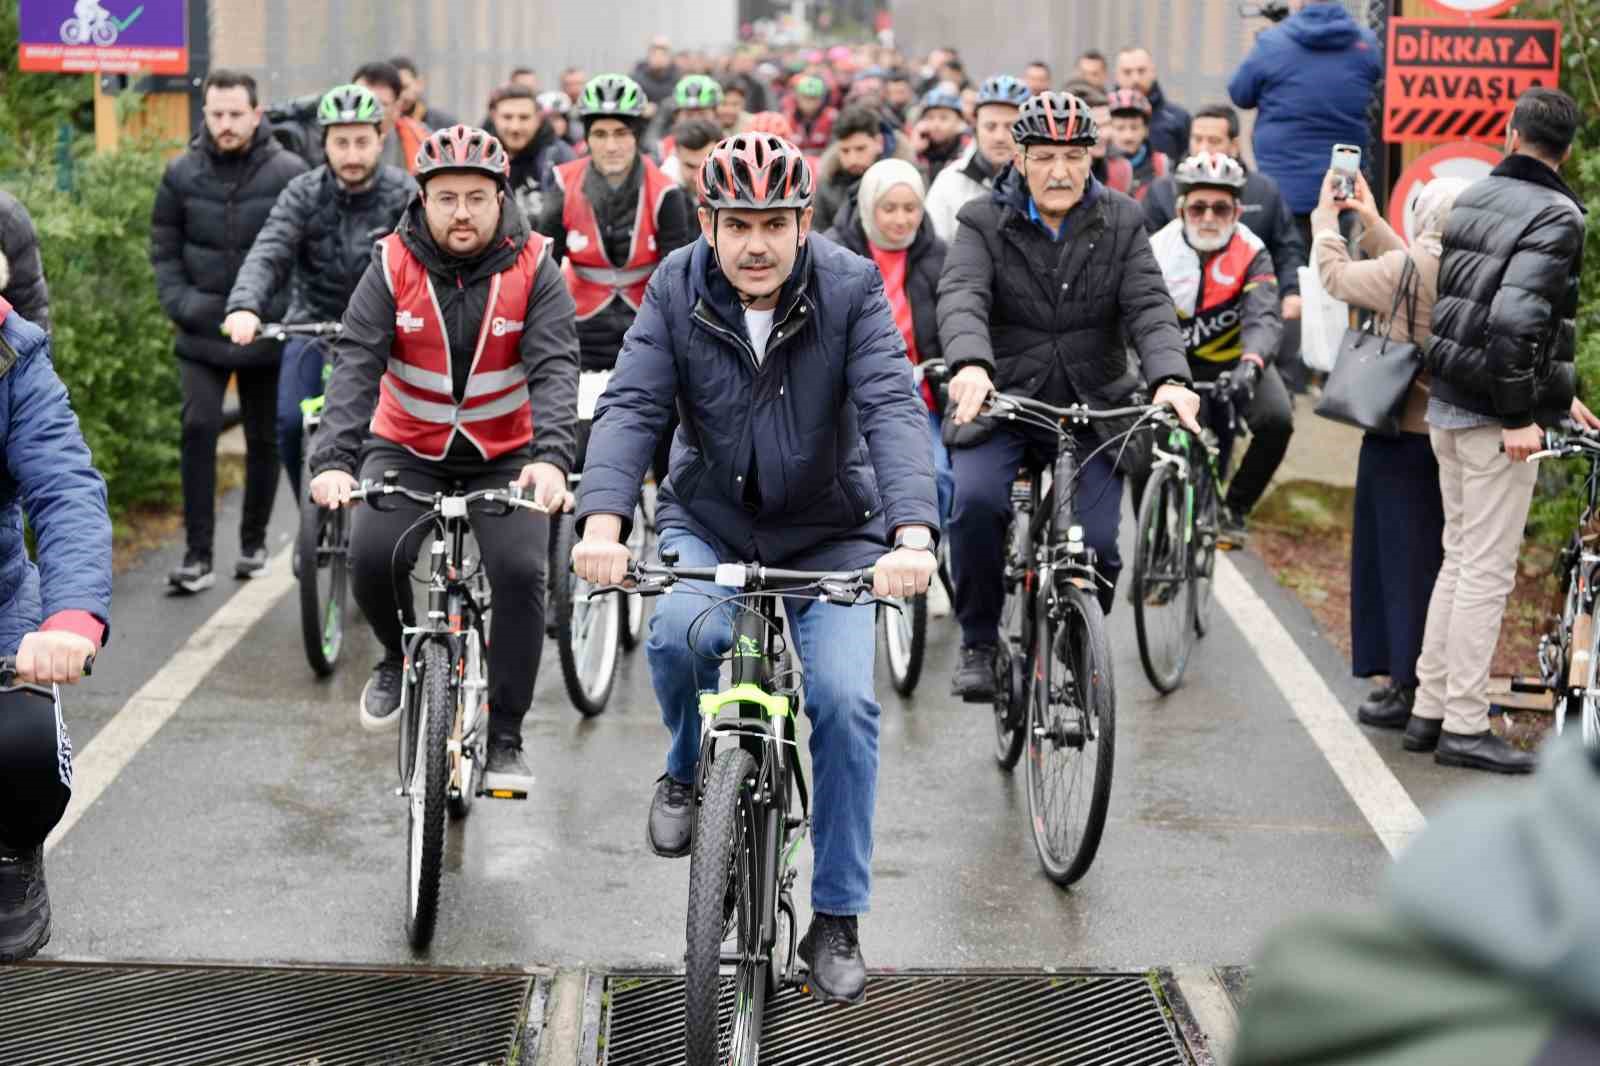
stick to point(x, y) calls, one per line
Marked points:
point(1369, 382)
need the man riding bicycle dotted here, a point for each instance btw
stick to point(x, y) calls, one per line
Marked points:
point(53, 615)
point(804, 445)
point(320, 234)
point(459, 350)
point(1223, 283)
point(1046, 276)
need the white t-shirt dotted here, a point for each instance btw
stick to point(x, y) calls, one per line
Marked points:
point(759, 323)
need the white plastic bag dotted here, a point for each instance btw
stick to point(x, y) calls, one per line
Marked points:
point(1323, 320)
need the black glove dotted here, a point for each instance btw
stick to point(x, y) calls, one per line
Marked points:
point(1242, 381)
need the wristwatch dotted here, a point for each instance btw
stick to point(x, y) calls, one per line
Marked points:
point(916, 538)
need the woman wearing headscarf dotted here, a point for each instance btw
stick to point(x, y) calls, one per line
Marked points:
point(887, 224)
point(1397, 545)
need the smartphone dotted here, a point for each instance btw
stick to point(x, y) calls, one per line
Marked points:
point(1346, 164)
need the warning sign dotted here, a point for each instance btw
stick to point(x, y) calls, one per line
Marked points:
point(1461, 159)
point(1449, 79)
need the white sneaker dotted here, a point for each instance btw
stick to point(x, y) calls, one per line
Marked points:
point(938, 599)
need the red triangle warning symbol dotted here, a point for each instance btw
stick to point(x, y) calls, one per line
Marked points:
point(1531, 53)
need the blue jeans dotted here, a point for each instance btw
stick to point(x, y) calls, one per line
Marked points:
point(299, 378)
point(836, 646)
point(944, 476)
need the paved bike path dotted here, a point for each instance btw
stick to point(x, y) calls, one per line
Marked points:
point(260, 822)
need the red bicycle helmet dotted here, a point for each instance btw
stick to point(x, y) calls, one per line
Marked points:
point(756, 171)
point(462, 149)
point(1129, 102)
point(773, 122)
point(1056, 118)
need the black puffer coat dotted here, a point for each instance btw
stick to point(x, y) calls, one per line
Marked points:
point(320, 234)
point(1054, 321)
point(23, 286)
point(1503, 330)
point(208, 210)
point(924, 264)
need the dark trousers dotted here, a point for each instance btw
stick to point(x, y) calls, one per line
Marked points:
point(514, 548)
point(203, 388)
point(1271, 422)
point(35, 769)
point(1395, 554)
point(981, 517)
point(299, 378)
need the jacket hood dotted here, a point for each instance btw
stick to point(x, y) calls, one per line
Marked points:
point(499, 254)
point(1533, 862)
point(1322, 27)
point(1526, 168)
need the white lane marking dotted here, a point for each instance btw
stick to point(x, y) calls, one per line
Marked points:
point(147, 710)
point(1384, 802)
point(1212, 1009)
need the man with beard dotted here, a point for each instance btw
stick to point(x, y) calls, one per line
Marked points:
point(412, 103)
point(212, 202)
point(1169, 123)
point(863, 137)
point(944, 132)
point(317, 243)
point(532, 144)
point(973, 174)
point(691, 143)
point(402, 135)
point(1221, 279)
point(424, 387)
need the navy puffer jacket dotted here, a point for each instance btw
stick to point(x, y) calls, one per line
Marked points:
point(829, 426)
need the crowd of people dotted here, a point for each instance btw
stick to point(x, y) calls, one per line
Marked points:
point(761, 245)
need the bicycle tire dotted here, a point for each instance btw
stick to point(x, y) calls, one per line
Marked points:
point(588, 684)
point(1080, 654)
point(1203, 553)
point(641, 544)
point(905, 642)
point(724, 868)
point(1163, 592)
point(1011, 675)
point(467, 764)
point(322, 550)
point(430, 774)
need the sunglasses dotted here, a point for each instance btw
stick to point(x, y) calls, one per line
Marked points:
point(1221, 210)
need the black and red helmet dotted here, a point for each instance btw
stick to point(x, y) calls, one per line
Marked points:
point(1055, 118)
point(462, 149)
point(756, 171)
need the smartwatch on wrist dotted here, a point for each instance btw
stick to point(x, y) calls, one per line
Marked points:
point(916, 538)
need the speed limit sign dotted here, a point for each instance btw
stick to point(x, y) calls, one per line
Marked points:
point(1462, 159)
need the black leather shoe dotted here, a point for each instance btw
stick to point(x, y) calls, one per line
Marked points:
point(974, 680)
point(24, 904)
point(1393, 713)
point(833, 952)
point(1422, 734)
point(1375, 699)
point(671, 818)
point(1483, 751)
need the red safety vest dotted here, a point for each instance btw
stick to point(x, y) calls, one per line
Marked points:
point(592, 278)
point(417, 408)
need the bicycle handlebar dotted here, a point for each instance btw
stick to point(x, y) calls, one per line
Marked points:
point(277, 331)
point(848, 587)
point(1005, 405)
point(449, 504)
point(1559, 445)
point(8, 676)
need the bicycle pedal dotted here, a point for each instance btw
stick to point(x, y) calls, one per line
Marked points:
point(503, 793)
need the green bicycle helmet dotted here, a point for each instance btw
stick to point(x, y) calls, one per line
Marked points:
point(812, 86)
point(349, 105)
point(612, 96)
point(696, 92)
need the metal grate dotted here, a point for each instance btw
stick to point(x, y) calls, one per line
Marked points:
point(922, 1020)
point(89, 1014)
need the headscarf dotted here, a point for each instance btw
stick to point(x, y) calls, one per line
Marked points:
point(880, 177)
point(1432, 209)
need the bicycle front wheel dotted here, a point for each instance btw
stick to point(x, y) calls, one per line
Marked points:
point(323, 551)
point(725, 901)
point(472, 700)
point(587, 631)
point(1010, 670)
point(1071, 736)
point(905, 639)
point(429, 783)
point(641, 545)
point(1203, 549)
point(1163, 595)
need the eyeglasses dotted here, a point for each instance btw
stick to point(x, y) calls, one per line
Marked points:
point(477, 202)
point(1221, 210)
point(1048, 160)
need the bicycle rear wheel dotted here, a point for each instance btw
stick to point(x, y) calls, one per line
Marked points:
point(1071, 736)
point(587, 631)
point(323, 551)
point(429, 781)
point(905, 640)
point(725, 901)
point(1163, 595)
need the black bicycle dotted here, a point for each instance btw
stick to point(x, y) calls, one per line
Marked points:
point(1054, 691)
point(1569, 655)
point(1175, 554)
point(444, 706)
point(752, 805)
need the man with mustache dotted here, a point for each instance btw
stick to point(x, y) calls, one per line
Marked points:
point(212, 202)
point(804, 445)
point(458, 365)
point(317, 242)
point(1049, 281)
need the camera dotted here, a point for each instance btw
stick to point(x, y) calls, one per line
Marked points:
point(1271, 10)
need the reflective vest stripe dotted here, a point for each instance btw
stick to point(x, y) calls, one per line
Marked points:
point(422, 379)
point(449, 413)
point(616, 279)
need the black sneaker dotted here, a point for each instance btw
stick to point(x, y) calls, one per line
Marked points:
point(832, 951)
point(974, 680)
point(193, 576)
point(505, 770)
point(251, 564)
point(1393, 712)
point(671, 818)
point(24, 904)
point(380, 698)
point(1233, 531)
